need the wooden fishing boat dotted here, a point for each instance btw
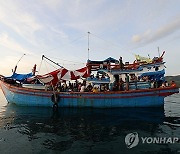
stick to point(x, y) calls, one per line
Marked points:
point(135, 93)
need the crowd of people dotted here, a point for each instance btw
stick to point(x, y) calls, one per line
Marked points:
point(119, 85)
point(64, 86)
point(130, 80)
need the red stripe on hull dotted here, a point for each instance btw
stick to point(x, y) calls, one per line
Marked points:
point(33, 92)
point(107, 92)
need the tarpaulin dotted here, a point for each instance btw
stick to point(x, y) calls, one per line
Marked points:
point(63, 74)
point(20, 77)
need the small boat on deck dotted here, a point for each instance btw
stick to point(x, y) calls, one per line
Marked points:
point(135, 90)
point(34, 86)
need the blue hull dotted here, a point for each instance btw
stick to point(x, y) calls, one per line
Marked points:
point(136, 98)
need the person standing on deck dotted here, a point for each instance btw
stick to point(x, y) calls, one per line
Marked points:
point(127, 82)
point(121, 63)
point(121, 83)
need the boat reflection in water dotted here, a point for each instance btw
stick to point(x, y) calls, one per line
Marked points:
point(74, 130)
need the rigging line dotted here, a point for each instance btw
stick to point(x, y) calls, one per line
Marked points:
point(50, 64)
point(77, 38)
point(114, 44)
point(107, 41)
point(66, 64)
point(15, 68)
point(65, 44)
point(46, 66)
point(20, 58)
point(40, 67)
point(66, 60)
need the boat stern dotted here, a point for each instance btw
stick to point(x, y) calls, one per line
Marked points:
point(169, 91)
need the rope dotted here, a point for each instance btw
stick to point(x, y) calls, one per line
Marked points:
point(40, 66)
point(20, 58)
point(46, 66)
point(75, 62)
point(67, 60)
point(50, 64)
point(111, 43)
point(65, 44)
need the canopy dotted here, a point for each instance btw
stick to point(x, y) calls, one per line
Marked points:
point(159, 75)
point(110, 60)
point(20, 77)
point(63, 74)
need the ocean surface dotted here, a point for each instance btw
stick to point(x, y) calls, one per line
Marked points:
point(98, 131)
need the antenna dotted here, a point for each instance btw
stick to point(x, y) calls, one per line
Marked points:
point(158, 51)
point(88, 44)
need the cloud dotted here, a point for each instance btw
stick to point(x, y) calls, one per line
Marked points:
point(9, 43)
point(20, 21)
point(151, 36)
point(12, 15)
point(52, 4)
point(97, 16)
point(35, 25)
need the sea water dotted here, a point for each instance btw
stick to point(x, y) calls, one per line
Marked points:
point(98, 131)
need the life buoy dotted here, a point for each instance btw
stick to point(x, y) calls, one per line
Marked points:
point(55, 107)
point(55, 98)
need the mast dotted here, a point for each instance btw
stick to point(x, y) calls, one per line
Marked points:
point(88, 44)
point(158, 52)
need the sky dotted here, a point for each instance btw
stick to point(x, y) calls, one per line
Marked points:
point(59, 30)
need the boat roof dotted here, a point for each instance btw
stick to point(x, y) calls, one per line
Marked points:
point(110, 60)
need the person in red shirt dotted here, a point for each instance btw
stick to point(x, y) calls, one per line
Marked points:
point(173, 84)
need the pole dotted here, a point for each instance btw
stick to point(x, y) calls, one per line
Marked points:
point(43, 56)
point(88, 44)
point(18, 62)
point(20, 58)
point(158, 51)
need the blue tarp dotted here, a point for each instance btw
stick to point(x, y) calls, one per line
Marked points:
point(20, 77)
point(110, 59)
point(158, 75)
